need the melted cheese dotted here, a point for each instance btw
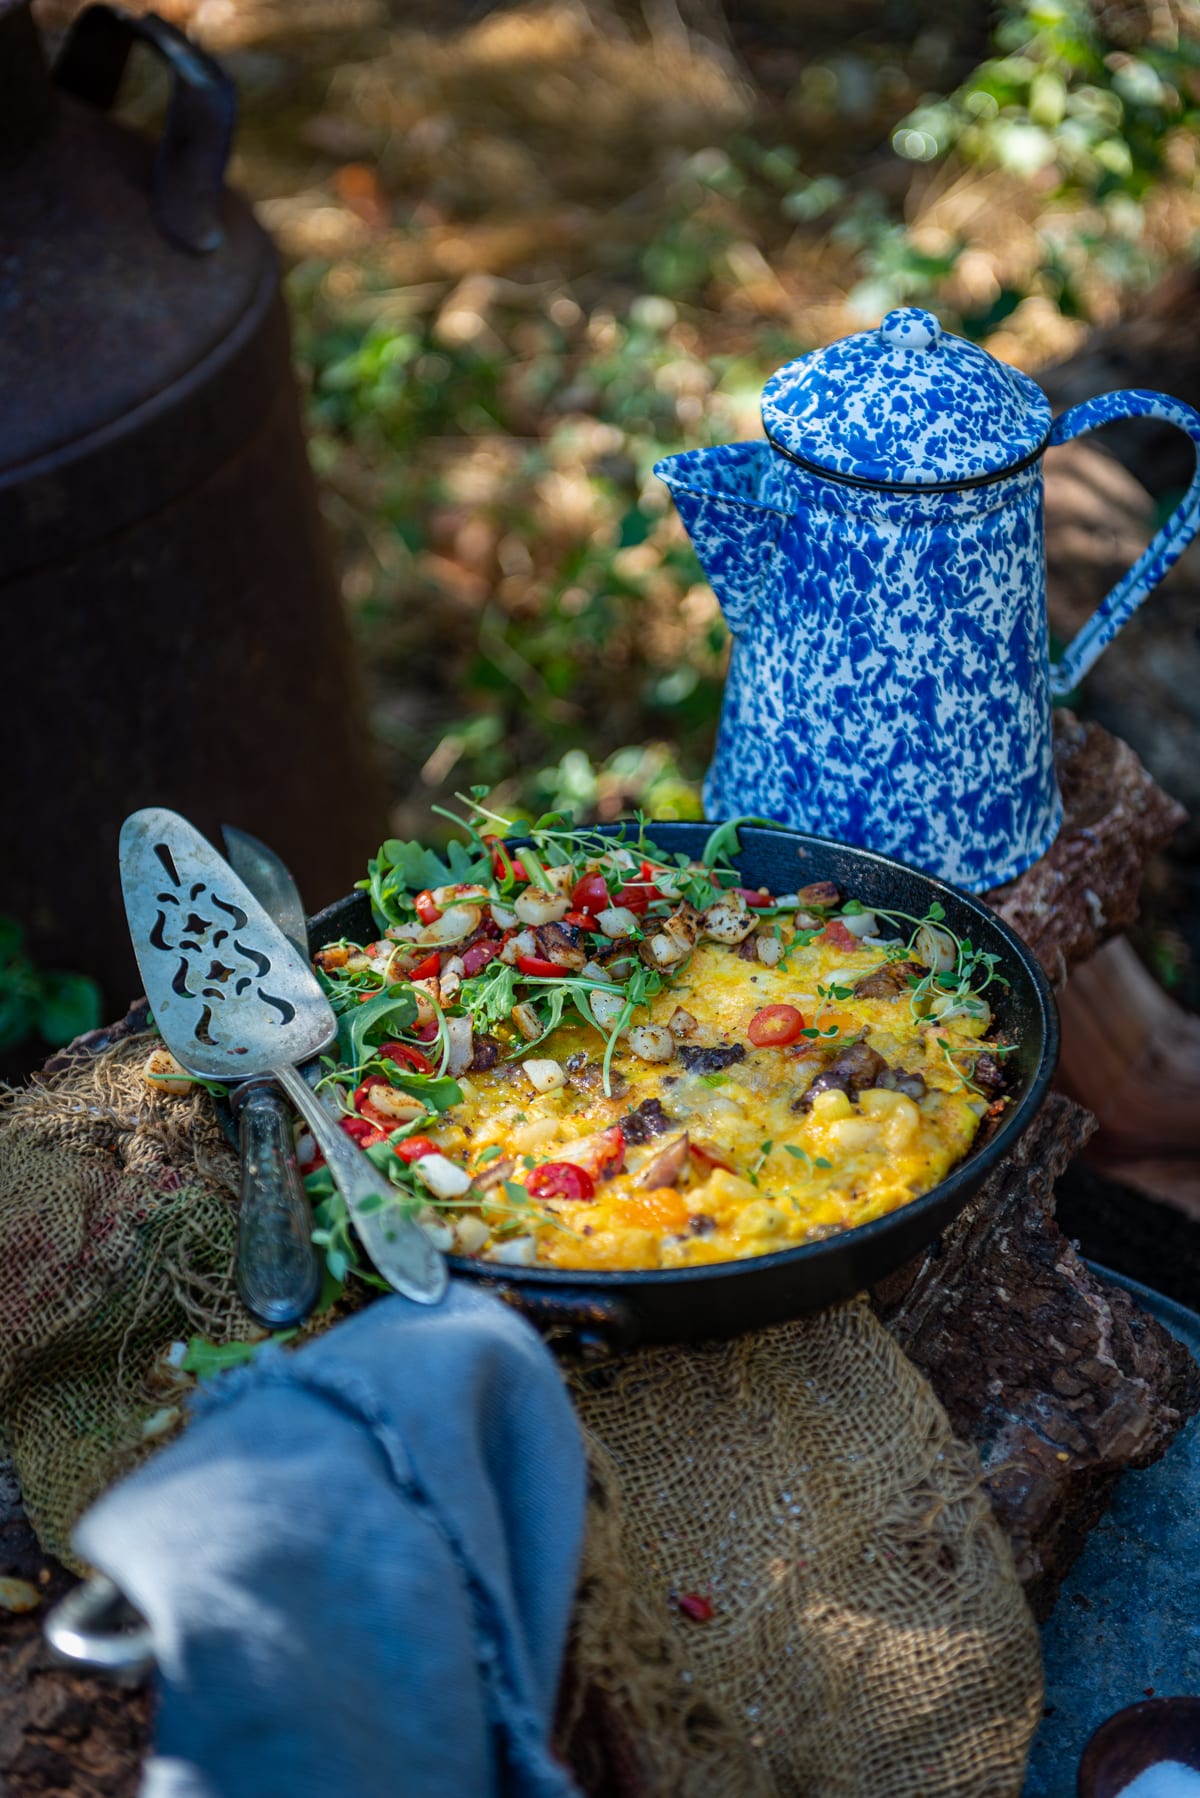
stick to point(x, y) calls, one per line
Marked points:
point(795, 1173)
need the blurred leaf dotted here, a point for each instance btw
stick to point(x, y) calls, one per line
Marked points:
point(67, 1006)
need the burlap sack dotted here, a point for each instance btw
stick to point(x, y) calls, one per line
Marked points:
point(867, 1632)
point(117, 1234)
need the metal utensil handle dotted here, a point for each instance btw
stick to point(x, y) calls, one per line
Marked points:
point(95, 1629)
point(189, 164)
point(278, 1269)
point(396, 1244)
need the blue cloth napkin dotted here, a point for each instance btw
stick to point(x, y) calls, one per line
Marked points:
point(358, 1564)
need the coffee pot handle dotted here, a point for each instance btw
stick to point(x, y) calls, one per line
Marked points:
point(1118, 607)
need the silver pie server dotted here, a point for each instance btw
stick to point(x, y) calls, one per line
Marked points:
point(234, 1002)
point(277, 1270)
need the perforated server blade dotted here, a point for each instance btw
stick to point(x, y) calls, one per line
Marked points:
point(235, 1001)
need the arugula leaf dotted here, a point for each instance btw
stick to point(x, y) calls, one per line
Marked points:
point(396, 1002)
point(205, 1358)
point(416, 865)
point(437, 1092)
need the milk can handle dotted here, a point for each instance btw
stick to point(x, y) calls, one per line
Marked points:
point(189, 164)
point(1163, 552)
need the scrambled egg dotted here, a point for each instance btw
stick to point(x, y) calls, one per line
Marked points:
point(762, 1168)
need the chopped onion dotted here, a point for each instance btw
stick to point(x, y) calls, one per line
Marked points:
point(663, 950)
point(617, 921)
point(544, 1076)
point(536, 907)
point(461, 1050)
point(439, 1232)
point(444, 1178)
point(730, 920)
point(455, 923)
point(651, 1042)
point(470, 1234)
point(606, 1007)
point(935, 949)
point(518, 1251)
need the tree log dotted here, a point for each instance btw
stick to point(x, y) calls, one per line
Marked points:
point(1059, 1380)
point(1085, 888)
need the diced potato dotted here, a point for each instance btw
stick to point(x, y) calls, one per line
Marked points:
point(852, 1134)
point(534, 1135)
point(831, 1104)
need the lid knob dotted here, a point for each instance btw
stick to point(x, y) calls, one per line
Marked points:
point(909, 328)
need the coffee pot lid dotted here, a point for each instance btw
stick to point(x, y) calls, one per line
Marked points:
point(906, 405)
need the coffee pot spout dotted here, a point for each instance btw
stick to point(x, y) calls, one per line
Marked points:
point(735, 533)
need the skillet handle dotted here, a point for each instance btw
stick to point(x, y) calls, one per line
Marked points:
point(578, 1322)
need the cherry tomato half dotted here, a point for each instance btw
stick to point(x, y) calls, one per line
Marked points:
point(775, 1026)
point(428, 909)
point(591, 894)
point(560, 1180)
point(426, 1033)
point(413, 1147)
point(636, 895)
point(537, 969)
point(404, 1055)
point(429, 969)
point(362, 1131)
point(753, 897)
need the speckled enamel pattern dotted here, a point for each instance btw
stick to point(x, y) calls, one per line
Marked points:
point(890, 683)
point(907, 405)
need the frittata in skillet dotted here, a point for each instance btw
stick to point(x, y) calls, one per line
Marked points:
point(590, 1054)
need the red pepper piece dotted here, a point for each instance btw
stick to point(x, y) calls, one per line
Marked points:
point(363, 1092)
point(602, 1154)
point(582, 920)
point(503, 864)
point(537, 969)
point(404, 1055)
point(753, 897)
point(362, 1130)
point(560, 1180)
point(428, 909)
point(413, 1147)
point(695, 1606)
point(835, 932)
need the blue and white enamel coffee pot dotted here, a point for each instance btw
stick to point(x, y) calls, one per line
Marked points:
point(880, 563)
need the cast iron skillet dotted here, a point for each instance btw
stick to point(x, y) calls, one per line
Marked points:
point(615, 1310)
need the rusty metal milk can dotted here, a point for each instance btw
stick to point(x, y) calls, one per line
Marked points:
point(172, 631)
